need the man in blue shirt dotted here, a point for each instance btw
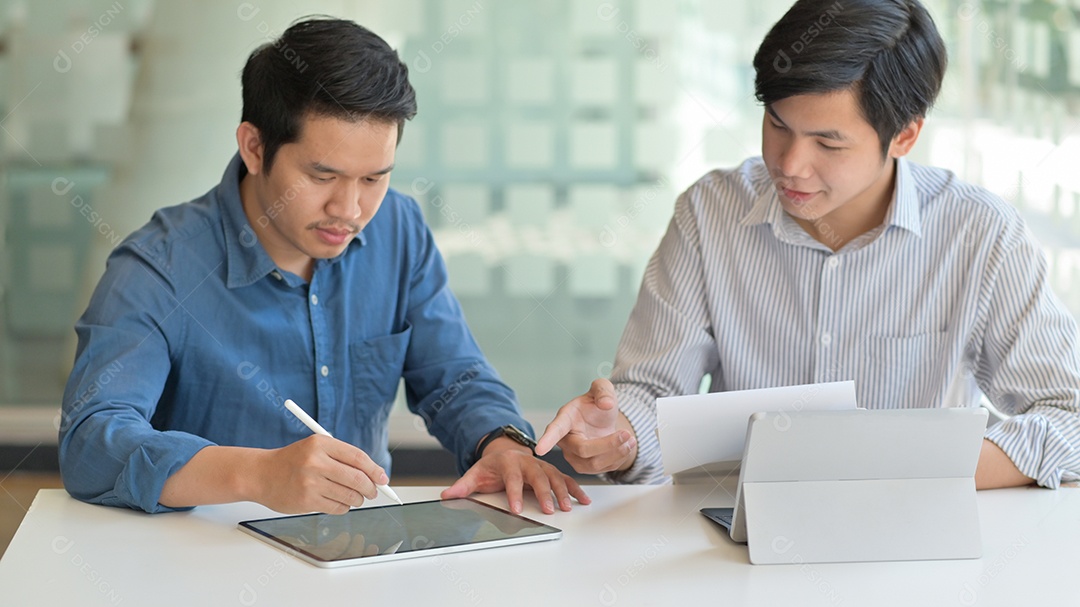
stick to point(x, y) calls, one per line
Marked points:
point(832, 257)
point(302, 276)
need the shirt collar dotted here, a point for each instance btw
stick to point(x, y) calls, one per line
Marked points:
point(246, 259)
point(904, 211)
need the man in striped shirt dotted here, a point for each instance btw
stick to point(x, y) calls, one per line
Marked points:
point(832, 257)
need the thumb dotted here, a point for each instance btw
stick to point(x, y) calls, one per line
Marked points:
point(602, 392)
point(463, 487)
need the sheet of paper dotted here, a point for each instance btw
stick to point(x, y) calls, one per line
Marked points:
point(701, 429)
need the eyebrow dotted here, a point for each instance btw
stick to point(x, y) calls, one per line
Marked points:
point(831, 134)
point(319, 167)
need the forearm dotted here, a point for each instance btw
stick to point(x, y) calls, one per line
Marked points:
point(215, 475)
point(996, 470)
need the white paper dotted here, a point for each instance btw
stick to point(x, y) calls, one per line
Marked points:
point(702, 429)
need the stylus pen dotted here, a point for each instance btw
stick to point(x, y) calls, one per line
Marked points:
point(317, 429)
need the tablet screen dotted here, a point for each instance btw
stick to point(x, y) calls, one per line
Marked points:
point(398, 531)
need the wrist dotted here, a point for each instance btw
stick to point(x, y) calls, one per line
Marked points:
point(503, 443)
point(510, 433)
point(248, 479)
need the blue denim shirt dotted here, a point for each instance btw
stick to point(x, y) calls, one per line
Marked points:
point(194, 337)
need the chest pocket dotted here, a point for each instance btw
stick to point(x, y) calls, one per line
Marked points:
point(377, 364)
point(902, 372)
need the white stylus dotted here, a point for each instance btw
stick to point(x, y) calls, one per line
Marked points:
point(317, 429)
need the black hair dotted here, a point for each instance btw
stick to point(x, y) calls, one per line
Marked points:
point(323, 67)
point(888, 52)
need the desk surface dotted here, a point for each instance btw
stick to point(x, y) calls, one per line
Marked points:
point(632, 546)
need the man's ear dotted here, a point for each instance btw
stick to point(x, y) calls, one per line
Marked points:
point(249, 140)
point(905, 139)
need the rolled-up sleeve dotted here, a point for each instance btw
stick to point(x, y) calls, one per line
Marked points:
point(109, 452)
point(1029, 367)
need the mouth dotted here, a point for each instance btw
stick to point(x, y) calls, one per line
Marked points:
point(334, 236)
point(795, 196)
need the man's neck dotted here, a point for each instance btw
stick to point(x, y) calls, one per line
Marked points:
point(857, 217)
point(284, 256)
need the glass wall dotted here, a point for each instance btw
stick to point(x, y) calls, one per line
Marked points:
point(552, 139)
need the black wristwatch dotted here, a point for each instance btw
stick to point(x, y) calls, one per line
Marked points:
point(513, 433)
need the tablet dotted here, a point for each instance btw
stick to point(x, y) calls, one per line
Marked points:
point(389, 533)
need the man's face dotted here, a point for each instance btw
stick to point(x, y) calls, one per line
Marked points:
point(825, 159)
point(321, 190)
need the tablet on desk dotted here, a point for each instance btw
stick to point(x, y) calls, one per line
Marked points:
point(388, 533)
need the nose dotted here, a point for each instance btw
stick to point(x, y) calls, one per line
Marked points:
point(345, 205)
point(794, 159)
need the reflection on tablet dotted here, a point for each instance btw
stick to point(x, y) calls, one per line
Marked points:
point(397, 531)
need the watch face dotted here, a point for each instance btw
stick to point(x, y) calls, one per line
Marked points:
point(519, 436)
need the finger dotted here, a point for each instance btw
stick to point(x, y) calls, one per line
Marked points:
point(538, 479)
point(462, 487)
point(588, 448)
point(603, 394)
point(576, 491)
point(514, 484)
point(349, 485)
point(322, 503)
point(339, 502)
point(371, 550)
point(606, 461)
point(555, 431)
point(353, 457)
point(557, 480)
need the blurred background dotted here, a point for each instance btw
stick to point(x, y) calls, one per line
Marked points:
point(552, 139)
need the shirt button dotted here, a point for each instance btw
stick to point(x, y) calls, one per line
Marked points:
point(826, 339)
point(276, 275)
point(314, 299)
point(833, 261)
point(325, 370)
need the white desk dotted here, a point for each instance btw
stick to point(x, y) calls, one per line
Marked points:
point(632, 546)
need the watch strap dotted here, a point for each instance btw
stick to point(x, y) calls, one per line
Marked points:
point(510, 432)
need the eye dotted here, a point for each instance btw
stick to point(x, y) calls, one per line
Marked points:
point(830, 147)
point(373, 179)
point(322, 179)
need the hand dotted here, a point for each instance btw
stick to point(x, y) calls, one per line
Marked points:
point(595, 437)
point(316, 474)
point(506, 465)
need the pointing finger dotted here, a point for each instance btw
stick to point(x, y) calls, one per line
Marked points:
point(555, 431)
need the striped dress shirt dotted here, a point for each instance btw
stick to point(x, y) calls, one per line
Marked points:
point(945, 301)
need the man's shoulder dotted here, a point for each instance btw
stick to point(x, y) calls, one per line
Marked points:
point(730, 191)
point(945, 195)
point(178, 236)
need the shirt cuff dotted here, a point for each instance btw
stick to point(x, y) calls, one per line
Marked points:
point(648, 468)
point(1035, 446)
point(143, 477)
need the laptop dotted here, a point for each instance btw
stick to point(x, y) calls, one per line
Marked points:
point(707, 432)
point(851, 486)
